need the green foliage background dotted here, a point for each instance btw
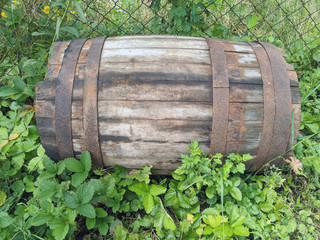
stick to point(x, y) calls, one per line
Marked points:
point(40, 199)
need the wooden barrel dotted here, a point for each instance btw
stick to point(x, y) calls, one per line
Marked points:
point(138, 100)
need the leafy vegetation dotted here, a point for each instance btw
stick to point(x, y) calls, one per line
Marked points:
point(203, 199)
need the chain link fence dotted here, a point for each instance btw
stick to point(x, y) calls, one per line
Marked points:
point(31, 26)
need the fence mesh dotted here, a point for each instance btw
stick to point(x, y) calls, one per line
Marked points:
point(30, 25)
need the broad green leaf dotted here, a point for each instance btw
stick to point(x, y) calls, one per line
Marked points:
point(207, 230)
point(168, 223)
point(3, 197)
point(156, 190)
point(73, 165)
point(120, 233)
point(224, 231)
point(170, 196)
point(210, 191)
point(5, 220)
point(85, 160)
point(28, 146)
point(177, 176)
point(215, 221)
point(158, 220)
point(241, 167)
point(210, 211)
point(238, 222)
point(251, 223)
point(199, 231)
point(266, 207)
point(32, 67)
point(71, 200)
point(19, 84)
point(139, 188)
point(59, 227)
point(101, 213)
point(246, 157)
point(7, 91)
point(183, 200)
point(313, 127)
point(241, 231)
point(292, 225)
point(18, 160)
point(41, 218)
point(86, 210)
point(135, 203)
point(78, 178)
point(103, 227)
point(90, 222)
point(40, 151)
point(49, 165)
point(46, 193)
point(236, 193)
point(60, 167)
point(17, 186)
point(71, 215)
point(114, 225)
point(85, 193)
point(35, 163)
point(115, 204)
point(148, 202)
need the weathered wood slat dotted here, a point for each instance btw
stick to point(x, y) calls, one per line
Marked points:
point(45, 126)
point(156, 37)
point(173, 43)
point(55, 61)
point(244, 131)
point(152, 152)
point(160, 92)
point(242, 59)
point(293, 78)
point(154, 110)
point(152, 90)
point(155, 71)
point(153, 130)
point(84, 53)
point(246, 112)
point(58, 50)
point(245, 93)
point(45, 109)
point(245, 126)
point(295, 95)
point(154, 55)
point(244, 75)
point(115, 43)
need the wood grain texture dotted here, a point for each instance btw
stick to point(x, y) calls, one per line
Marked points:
point(155, 97)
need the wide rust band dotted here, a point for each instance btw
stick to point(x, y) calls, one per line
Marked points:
point(269, 109)
point(63, 100)
point(46, 125)
point(220, 97)
point(283, 107)
point(90, 101)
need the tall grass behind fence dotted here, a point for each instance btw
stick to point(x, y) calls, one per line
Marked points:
point(28, 27)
